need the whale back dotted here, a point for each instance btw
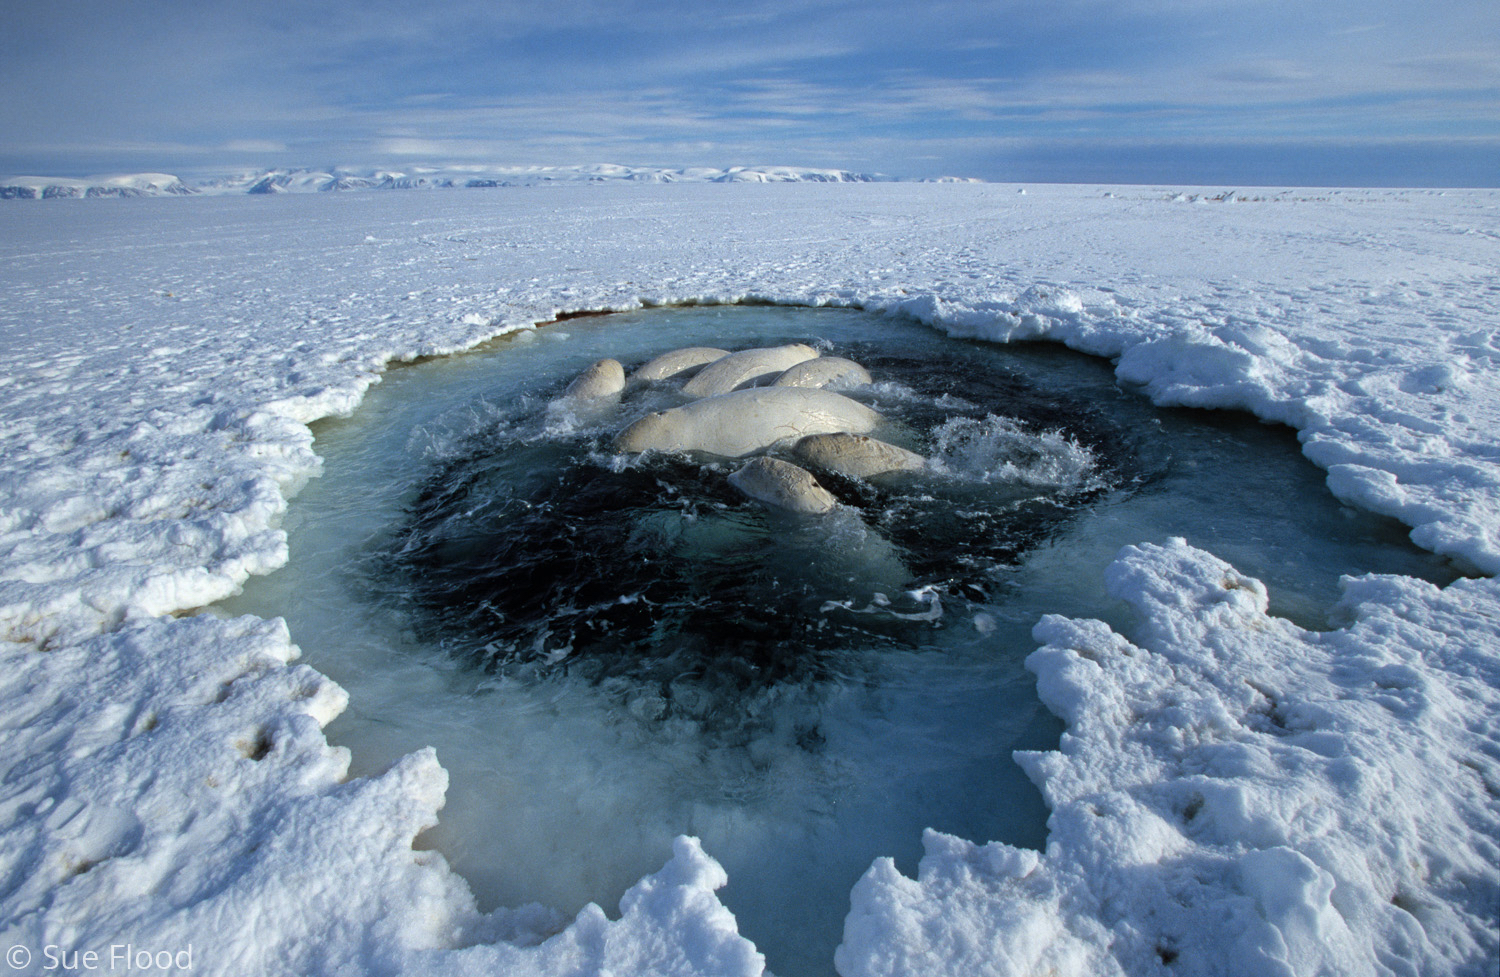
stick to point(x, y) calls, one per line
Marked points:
point(823, 371)
point(743, 422)
point(745, 368)
point(783, 485)
point(676, 363)
point(856, 455)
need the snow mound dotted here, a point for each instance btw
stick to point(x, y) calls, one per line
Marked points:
point(1232, 788)
point(214, 792)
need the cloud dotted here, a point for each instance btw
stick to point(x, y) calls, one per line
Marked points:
point(683, 82)
point(406, 146)
point(254, 146)
point(1265, 72)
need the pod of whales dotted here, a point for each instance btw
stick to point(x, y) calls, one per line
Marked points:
point(743, 422)
point(746, 368)
point(733, 416)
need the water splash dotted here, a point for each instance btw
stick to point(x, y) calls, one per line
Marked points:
point(1002, 451)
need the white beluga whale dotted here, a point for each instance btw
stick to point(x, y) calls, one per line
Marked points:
point(746, 368)
point(676, 363)
point(592, 396)
point(746, 421)
point(823, 371)
point(783, 485)
point(605, 378)
point(856, 455)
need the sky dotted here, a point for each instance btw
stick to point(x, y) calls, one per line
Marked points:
point(1213, 92)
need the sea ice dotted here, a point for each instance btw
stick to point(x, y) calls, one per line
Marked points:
point(1232, 790)
point(1227, 773)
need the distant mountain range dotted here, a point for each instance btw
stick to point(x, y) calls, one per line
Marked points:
point(413, 178)
point(131, 185)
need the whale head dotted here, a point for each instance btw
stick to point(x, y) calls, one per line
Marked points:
point(659, 431)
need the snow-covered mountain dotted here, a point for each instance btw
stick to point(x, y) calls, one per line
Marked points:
point(129, 185)
point(426, 177)
point(419, 177)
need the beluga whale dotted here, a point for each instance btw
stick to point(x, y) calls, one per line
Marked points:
point(676, 363)
point(856, 455)
point(746, 368)
point(743, 422)
point(783, 485)
point(605, 378)
point(823, 371)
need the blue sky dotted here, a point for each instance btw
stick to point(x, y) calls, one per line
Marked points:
point(1373, 92)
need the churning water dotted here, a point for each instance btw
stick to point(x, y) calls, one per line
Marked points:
point(609, 651)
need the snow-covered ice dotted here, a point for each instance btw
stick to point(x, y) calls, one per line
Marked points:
point(597, 729)
point(1233, 795)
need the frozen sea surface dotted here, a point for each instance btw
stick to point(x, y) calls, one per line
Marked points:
point(1235, 783)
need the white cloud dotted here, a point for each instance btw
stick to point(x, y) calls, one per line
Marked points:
point(571, 79)
point(407, 146)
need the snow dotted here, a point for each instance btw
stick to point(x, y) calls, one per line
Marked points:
point(1298, 795)
point(1233, 794)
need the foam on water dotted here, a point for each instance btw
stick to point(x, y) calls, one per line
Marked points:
point(608, 652)
point(999, 451)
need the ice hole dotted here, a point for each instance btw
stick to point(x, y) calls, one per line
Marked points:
point(609, 652)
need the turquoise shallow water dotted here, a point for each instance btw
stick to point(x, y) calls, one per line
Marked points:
point(574, 765)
